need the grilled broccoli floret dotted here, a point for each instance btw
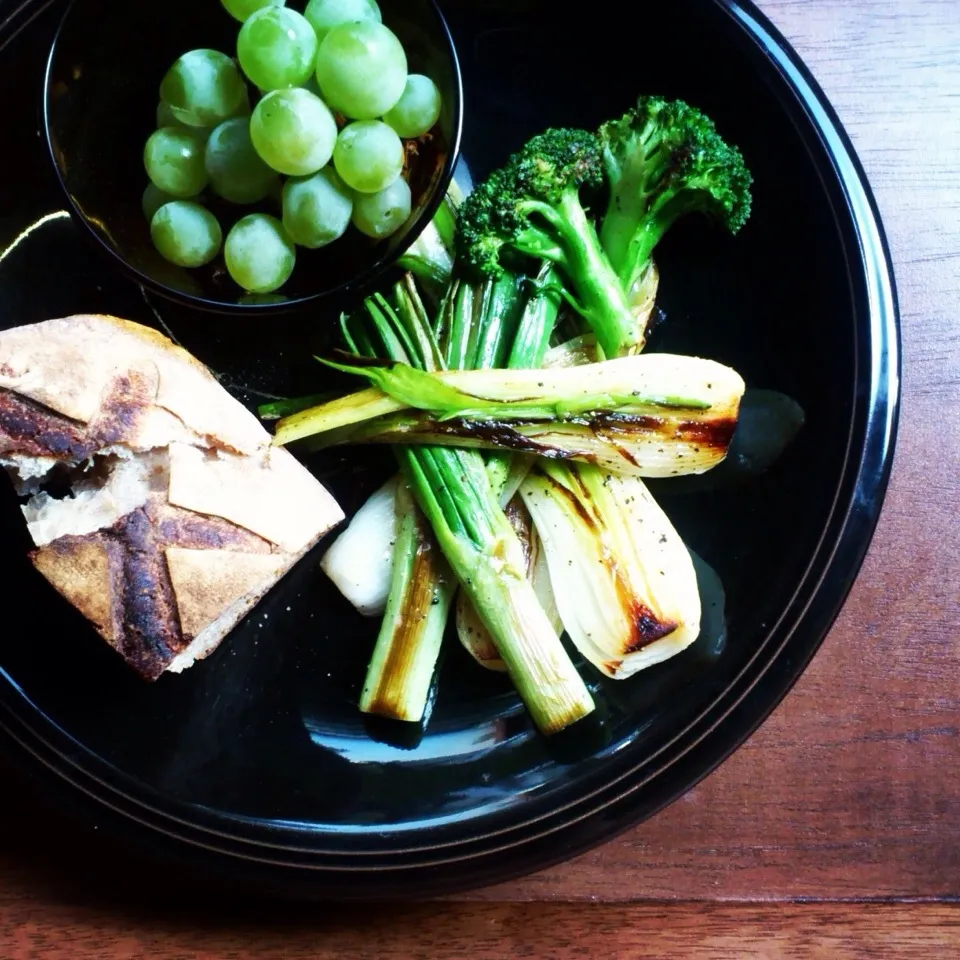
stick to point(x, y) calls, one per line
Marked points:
point(532, 208)
point(663, 159)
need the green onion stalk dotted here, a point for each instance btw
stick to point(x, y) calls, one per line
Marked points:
point(453, 488)
point(479, 326)
point(401, 669)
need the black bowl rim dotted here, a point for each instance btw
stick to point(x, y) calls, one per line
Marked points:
point(359, 281)
point(442, 863)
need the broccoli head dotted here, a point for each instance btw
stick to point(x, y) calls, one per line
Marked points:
point(515, 210)
point(532, 208)
point(663, 159)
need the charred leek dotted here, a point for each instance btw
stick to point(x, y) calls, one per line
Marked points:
point(658, 415)
point(430, 257)
point(361, 558)
point(623, 580)
point(359, 561)
point(470, 628)
point(454, 492)
point(421, 587)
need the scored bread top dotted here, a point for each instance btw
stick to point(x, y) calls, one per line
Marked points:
point(120, 580)
point(183, 515)
point(126, 382)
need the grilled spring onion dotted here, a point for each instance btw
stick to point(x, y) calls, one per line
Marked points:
point(385, 562)
point(529, 353)
point(405, 656)
point(659, 415)
point(623, 580)
point(630, 385)
point(507, 470)
point(370, 532)
point(430, 257)
point(419, 588)
point(453, 489)
point(473, 634)
point(361, 559)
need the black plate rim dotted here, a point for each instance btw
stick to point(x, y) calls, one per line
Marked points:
point(852, 526)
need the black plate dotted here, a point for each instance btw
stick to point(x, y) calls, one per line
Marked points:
point(255, 765)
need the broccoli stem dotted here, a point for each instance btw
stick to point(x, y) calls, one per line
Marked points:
point(602, 298)
point(633, 245)
point(629, 247)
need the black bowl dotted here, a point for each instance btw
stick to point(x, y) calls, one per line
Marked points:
point(103, 81)
point(255, 766)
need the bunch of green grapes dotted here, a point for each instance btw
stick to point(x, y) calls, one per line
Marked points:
point(323, 137)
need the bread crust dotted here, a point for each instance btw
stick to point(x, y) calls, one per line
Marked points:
point(219, 516)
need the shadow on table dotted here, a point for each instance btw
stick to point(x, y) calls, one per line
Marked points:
point(75, 870)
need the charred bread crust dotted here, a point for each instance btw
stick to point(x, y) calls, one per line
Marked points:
point(142, 622)
point(29, 429)
point(85, 393)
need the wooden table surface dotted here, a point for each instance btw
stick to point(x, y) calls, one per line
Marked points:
point(848, 796)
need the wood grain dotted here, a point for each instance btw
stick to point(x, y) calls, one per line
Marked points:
point(850, 791)
point(614, 932)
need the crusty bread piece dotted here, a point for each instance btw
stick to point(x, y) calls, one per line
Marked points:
point(214, 592)
point(126, 383)
point(182, 514)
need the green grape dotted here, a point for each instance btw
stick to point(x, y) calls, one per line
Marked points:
point(277, 48)
point(316, 210)
point(203, 88)
point(324, 14)
point(418, 109)
point(382, 214)
point(311, 84)
point(234, 167)
point(260, 299)
point(166, 117)
point(153, 199)
point(241, 9)
point(185, 233)
point(361, 69)
point(173, 158)
point(244, 109)
point(293, 131)
point(259, 255)
point(368, 155)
